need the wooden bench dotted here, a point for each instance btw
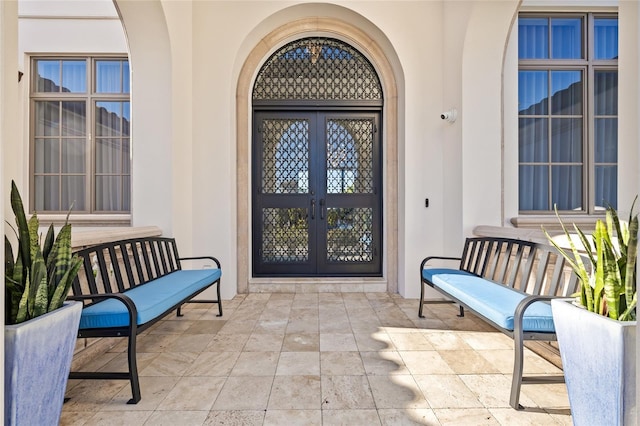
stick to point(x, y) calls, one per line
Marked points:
point(507, 283)
point(129, 285)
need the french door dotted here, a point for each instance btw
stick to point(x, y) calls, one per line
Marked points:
point(317, 199)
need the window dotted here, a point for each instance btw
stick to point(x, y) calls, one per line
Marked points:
point(80, 138)
point(567, 110)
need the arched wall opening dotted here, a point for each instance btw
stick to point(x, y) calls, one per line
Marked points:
point(370, 46)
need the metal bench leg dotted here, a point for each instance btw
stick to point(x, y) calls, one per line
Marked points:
point(219, 300)
point(133, 370)
point(421, 299)
point(461, 314)
point(179, 312)
point(518, 364)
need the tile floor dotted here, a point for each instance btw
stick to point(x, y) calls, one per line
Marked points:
point(312, 359)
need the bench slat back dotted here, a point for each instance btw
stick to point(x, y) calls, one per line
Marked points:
point(526, 266)
point(115, 267)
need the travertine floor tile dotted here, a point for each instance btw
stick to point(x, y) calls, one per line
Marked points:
point(190, 343)
point(446, 391)
point(407, 417)
point(155, 390)
point(235, 418)
point(298, 364)
point(467, 362)
point(383, 363)
point(293, 418)
point(508, 416)
point(493, 390)
point(465, 417)
point(213, 364)
point(182, 418)
point(264, 342)
point(256, 364)
point(333, 342)
point(244, 393)
point(298, 342)
point(193, 393)
point(119, 418)
point(170, 364)
point(396, 391)
point(295, 392)
point(232, 342)
point(350, 417)
point(425, 362)
point(342, 392)
point(341, 364)
point(410, 342)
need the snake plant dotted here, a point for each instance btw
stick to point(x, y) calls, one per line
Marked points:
point(608, 280)
point(38, 279)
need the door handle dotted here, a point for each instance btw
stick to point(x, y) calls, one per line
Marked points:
point(313, 208)
point(322, 209)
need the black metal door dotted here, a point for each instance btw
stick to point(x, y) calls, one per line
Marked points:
point(316, 194)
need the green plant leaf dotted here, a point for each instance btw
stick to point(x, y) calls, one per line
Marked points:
point(21, 222)
point(65, 284)
point(48, 244)
point(59, 258)
point(575, 260)
point(22, 314)
point(630, 289)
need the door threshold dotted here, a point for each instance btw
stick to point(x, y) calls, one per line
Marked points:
point(318, 285)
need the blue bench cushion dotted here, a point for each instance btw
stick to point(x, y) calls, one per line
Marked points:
point(151, 299)
point(429, 273)
point(495, 302)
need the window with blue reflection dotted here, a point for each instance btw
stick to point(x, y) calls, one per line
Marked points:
point(112, 76)
point(48, 73)
point(605, 38)
point(606, 92)
point(68, 76)
point(566, 187)
point(533, 187)
point(566, 92)
point(533, 38)
point(74, 76)
point(533, 140)
point(566, 38)
point(533, 92)
point(606, 187)
point(566, 140)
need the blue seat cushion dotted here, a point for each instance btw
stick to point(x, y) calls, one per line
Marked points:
point(495, 302)
point(151, 299)
point(429, 273)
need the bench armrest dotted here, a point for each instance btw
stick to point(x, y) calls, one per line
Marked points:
point(427, 259)
point(522, 307)
point(126, 301)
point(202, 258)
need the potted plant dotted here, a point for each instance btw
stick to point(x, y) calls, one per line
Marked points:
point(597, 332)
point(40, 327)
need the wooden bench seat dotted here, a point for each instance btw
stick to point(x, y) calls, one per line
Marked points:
point(508, 284)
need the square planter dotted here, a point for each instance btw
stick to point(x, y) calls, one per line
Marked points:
point(599, 362)
point(37, 361)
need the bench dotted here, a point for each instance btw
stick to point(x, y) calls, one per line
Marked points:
point(129, 285)
point(507, 283)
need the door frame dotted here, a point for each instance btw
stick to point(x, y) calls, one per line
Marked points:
point(387, 65)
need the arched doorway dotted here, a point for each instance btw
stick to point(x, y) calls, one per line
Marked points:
point(317, 162)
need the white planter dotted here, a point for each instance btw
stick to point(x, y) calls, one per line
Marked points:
point(37, 360)
point(599, 362)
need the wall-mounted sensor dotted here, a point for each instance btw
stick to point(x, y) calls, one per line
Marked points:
point(450, 115)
